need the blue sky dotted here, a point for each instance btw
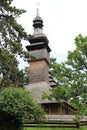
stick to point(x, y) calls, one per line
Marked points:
point(63, 21)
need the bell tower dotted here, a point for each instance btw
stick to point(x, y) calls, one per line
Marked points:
point(39, 62)
point(40, 79)
point(40, 51)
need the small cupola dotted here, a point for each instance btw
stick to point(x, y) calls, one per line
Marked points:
point(38, 21)
point(38, 35)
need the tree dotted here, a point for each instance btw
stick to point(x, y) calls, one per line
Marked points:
point(77, 61)
point(11, 75)
point(11, 35)
point(17, 106)
point(60, 73)
point(72, 76)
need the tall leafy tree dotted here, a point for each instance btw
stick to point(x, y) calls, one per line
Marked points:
point(11, 35)
point(10, 74)
point(61, 73)
point(72, 76)
point(77, 62)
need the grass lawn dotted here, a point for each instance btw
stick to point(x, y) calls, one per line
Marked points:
point(41, 128)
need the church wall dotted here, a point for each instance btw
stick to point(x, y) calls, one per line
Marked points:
point(38, 71)
point(57, 109)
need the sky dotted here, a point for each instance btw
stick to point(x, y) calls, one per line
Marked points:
point(63, 21)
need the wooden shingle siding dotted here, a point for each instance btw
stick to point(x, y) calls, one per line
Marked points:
point(39, 71)
point(41, 54)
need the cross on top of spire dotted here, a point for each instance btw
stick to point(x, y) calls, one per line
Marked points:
point(37, 12)
point(38, 34)
point(38, 21)
point(37, 4)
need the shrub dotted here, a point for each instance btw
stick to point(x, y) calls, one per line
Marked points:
point(17, 106)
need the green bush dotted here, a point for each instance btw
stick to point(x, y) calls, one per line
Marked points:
point(17, 106)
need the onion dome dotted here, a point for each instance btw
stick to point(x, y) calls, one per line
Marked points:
point(38, 21)
point(38, 35)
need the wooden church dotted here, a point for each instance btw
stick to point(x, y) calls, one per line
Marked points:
point(39, 78)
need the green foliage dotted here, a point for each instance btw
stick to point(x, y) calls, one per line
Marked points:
point(11, 36)
point(11, 75)
point(59, 93)
point(72, 76)
point(46, 95)
point(11, 32)
point(17, 106)
point(61, 73)
point(77, 60)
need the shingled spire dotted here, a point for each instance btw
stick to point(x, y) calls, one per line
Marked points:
point(39, 79)
point(39, 64)
point(38, 23)
point(38, 35)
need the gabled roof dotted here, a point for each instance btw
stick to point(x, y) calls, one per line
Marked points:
point(52, 81)
point(37, 90)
